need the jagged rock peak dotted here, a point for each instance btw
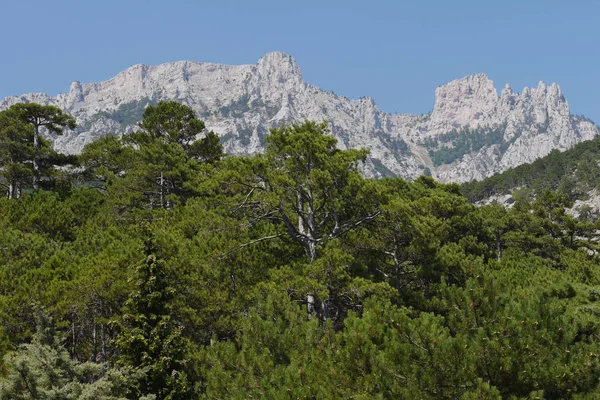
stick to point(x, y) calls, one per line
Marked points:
point(556, 90)
point(281, 65)
point(478, 86)
point(138, 70)
point(462, 101)
point(75, 86)
point(368, 100)
point(75, 94)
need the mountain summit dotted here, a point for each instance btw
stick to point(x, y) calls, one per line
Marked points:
point(471, 133)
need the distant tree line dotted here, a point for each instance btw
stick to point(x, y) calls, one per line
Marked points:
point(452, 146)
point(574, 172)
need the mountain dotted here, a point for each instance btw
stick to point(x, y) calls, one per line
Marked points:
point(471, 133)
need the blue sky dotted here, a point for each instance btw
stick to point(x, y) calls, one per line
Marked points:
point(397, 52)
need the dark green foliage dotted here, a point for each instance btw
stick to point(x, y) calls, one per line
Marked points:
point(150, 339)
point(243, 105)
point(382, 169)
point(169, 122)
point(396, 144)
point(236, 108)
point(25, 153)
point(127, 114)
point(244, 135)
point(208, 149)
point(16, 154)
point(463, 142)
point(50, 117)
point(166, 154)
point(106, 158)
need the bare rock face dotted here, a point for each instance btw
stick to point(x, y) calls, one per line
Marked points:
point(534, 122)
point(463, 102)
point(240, 103)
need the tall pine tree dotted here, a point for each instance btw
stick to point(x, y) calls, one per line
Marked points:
point(150, 337)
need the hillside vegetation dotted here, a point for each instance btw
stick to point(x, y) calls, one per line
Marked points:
point(160, 268)
point(573, 172)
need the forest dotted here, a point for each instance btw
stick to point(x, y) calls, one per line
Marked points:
point(154, 266)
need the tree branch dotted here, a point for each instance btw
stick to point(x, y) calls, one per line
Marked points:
point(243, 203)
point(341, 229)
point(251, 243)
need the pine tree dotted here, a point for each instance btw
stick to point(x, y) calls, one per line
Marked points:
point(39, 116)
point(170, 153)
point(16, 153)
point(150, 337)
point(43, 369)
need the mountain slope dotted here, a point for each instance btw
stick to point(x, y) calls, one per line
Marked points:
point(471, 133)
point(575, 172)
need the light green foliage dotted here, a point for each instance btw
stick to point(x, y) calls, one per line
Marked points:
point(43, 369)
point(311, 186)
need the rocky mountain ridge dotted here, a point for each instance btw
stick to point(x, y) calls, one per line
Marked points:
point(486, 132)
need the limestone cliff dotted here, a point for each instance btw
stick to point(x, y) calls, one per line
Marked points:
point(241, 103)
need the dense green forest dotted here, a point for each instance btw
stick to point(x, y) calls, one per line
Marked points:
point(574, 173)
point(153, 266)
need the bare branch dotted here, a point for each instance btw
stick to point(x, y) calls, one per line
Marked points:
point(341, 229)
point(243, 203)
point(251, 243)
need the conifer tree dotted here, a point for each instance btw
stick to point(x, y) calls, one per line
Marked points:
point(43, 369)
point(170, 152)
point(16, 153)
point(39, 116)
point(309, 185)
point(150, 337)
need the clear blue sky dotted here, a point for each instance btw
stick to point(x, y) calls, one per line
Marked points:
point(397, 52)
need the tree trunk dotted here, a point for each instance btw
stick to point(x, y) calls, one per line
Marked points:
point(73, 336)
point(36, 167)
point(300, 209)
point(310, 247)
point(311, 305)
point(102, 343)
point(307, 229)
point(95, 343)
point(499, 249)
point(162, 190)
